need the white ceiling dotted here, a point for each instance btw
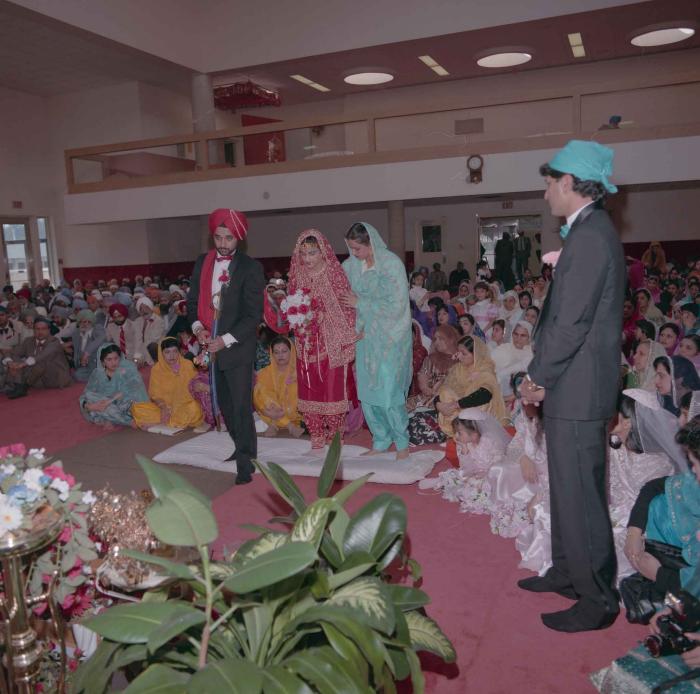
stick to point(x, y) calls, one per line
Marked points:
point(44, 57)
point(217, 35)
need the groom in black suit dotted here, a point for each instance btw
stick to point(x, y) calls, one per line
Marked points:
point(575, 373)
point(225, 306)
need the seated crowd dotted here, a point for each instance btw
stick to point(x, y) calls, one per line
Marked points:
point(471, 349)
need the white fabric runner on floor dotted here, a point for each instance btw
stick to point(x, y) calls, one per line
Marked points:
point(209, 451)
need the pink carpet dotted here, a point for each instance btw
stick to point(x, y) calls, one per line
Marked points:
point(471, 575)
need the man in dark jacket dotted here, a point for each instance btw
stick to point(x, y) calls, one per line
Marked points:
point(225, 306)
point(575, 372)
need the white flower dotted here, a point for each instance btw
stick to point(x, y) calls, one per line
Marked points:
point(10, 517)
point(37, 453)
point(89, 498)
point(8, 469)
point(61, 486)
point(32, 477)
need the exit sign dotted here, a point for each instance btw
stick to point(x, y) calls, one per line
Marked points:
point(16, 204)
point(507, 204)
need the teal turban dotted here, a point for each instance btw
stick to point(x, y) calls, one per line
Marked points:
point(588, 161)
point(86, 314)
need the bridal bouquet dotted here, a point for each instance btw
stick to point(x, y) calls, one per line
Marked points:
point(298, 308)
point(30, 486)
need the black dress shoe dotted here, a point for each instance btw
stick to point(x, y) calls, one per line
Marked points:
point(18, 392)
point(243, 478)
point(541, 584)
point(578, 619)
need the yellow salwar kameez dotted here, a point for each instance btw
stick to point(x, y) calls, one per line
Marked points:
point(278, 386)
point(171, 388)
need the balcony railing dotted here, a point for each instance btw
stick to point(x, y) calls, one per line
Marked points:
point(650, 110)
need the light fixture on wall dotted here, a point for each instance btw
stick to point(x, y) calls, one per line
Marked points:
point(433, 65)
point(475, 164)
point(310, 83)
point(576, 43)
point(368, 78)
point(662, 37)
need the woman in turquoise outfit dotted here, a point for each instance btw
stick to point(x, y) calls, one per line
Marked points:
point(114, 386)
point(384, 353)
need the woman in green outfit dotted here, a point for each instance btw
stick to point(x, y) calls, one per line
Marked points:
point(384, 353)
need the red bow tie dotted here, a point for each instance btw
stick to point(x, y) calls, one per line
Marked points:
point(223, 257)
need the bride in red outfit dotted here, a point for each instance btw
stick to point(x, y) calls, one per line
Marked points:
point(326, 343)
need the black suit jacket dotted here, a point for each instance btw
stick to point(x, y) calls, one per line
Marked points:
point(241, 309)
point(579, 333)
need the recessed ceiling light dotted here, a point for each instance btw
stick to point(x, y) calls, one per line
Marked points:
point(576, 43)
point(310, 83)
point(662, 37)
point(433, 65)
point(504, 59)
point(364, 78)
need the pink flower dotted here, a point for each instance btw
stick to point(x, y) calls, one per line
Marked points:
point(57, 472)
point(66, 534)
point(14, 450)
point(306, 291)
point(292, 311)
point(303, 309)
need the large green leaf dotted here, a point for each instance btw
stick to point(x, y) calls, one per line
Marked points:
point(406, 598)
point(417, 677)
point(163, 480)
point(426, 635)
point(284, 484)
point(311, 524)
point(257, 546)
point(277, 680)
point(330, 467)
point(347, 650)
point(370, 602)
point(346, 575)
point(330, 551)
point(376, 526)
point(399, 662)
point(182, 519)
point(92, 676)
point(135, 622)
point(229, 676)
point(338, 526)
point(271, 567)
point(159, 679)
point(174, 626)
point(171, 567)
point(258, 625)
point(342, 495)
point(325, 671)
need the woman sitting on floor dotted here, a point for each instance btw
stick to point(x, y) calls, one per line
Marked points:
point(675, 376)
point(642, 374)
point(423, 426)
point(114, 386)
point(171, 402)
point(275, 393)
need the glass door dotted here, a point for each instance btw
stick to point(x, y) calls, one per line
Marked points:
point(15, 237)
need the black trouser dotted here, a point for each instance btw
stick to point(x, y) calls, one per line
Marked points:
point(234, 389)
point(583, 551)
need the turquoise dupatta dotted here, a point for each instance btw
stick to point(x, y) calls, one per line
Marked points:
point(384, 356)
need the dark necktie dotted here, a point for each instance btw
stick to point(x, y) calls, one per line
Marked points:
point(122, 340)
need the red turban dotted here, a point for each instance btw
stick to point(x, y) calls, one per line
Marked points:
point(119, 308)
point(27, 294)
point(233, 220)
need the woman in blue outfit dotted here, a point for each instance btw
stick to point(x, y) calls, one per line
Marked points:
point(383, 355)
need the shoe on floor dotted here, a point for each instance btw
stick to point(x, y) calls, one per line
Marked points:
point(201, 429)
point(578, 618)
point(18, 392)
point(541, 584)
point(271, 431)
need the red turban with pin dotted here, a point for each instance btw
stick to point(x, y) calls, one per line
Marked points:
point(233, 220)
point(119, 308)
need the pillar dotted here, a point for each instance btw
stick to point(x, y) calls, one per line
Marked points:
point(397, 228)
point(203, 114)
point(35, 274)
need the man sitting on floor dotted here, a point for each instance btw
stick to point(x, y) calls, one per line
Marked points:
point(38, 362)
point(87, 339)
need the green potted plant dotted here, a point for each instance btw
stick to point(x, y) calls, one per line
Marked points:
point(309, 609)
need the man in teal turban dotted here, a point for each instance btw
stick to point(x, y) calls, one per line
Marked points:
point(574, 374)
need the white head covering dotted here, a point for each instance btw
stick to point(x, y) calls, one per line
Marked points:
point(525, 325)
point(144, 300)
point(487, 424)
point(656, 426)
point(694, 409)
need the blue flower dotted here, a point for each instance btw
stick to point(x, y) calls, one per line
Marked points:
point(20, 494)
point(45, 480)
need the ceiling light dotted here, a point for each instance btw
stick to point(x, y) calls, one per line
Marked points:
point(662, 37)
point(365, 78)
point(575, 39)
point(496, 60)
point(578, 51)
point(433, 65)
point(310, 83)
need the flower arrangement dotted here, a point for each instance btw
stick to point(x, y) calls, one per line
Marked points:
point(28, 484)
point(297, 308)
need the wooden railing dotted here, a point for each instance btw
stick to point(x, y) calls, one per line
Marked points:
point(201, 156)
